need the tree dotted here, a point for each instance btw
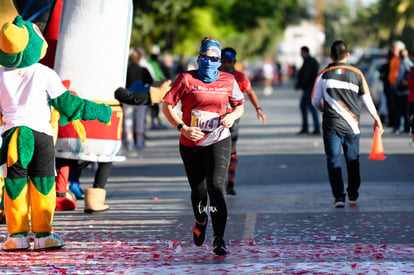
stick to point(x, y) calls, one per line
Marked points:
point(383, 22)
point(179, 25)
point(397, 19)
point(155, 22)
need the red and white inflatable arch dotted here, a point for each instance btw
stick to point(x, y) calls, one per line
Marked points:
point(92, 52)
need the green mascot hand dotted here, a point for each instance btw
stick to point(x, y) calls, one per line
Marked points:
point(71, 107)
point(92, 111)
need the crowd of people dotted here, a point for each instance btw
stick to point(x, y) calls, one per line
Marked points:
point(398, 85)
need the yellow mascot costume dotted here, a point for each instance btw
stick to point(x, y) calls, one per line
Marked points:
point(28, 91)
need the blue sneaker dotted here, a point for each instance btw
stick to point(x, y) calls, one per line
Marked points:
point(140, 147)
point(74, 187)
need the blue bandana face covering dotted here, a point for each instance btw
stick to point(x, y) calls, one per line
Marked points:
point(208, 71)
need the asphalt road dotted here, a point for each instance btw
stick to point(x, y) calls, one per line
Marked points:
point(281, 220)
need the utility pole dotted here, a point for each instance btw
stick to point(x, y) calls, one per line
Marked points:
point(319, 20)
point(319, 13)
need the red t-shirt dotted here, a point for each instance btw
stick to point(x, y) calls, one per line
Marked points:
point(202, 104)
point(243, 81)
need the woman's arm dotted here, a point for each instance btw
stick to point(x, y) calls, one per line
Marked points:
point(228, 119)
point(255, 101)
point(192, 133)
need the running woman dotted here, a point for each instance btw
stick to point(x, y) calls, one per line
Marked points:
point(205, 142)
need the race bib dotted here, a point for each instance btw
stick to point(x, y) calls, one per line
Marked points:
point(206, 121)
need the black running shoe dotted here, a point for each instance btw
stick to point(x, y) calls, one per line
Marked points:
point(219, 247)
point(339, 203)
point(199, 232)
point(230, 188)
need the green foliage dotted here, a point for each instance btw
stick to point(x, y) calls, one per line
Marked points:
point(254, 27)
point(202, 24)
point(251, 12)
point(366, 29)
point(383, 22)
point(397, 19)
point(155, 22)
point(336, 17)
point(179, 25)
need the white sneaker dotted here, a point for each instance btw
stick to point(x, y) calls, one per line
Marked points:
point(268, 91)
point(53, 241)
point(339, 204)
point(16, 244)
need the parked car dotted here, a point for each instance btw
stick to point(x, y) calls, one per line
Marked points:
point(370, 64)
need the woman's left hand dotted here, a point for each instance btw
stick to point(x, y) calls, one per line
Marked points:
point(227, 120)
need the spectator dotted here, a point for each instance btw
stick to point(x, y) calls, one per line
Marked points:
point(397, 68)
point(134, 115)
point(158, 76)
point(268, 75)
point(305, 79)
point(337, 93)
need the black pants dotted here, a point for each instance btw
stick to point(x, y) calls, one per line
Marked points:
point(206, 169)
point(76, 167)
point(42, 162)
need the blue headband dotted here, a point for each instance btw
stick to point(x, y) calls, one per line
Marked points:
point(211, 45)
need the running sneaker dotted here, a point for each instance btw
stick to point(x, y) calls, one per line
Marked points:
point(230, 188)
point(219, 247)
point(140, 147)
point(51, 242)
point(16, 244)
point(199, 232)
point(339, 203)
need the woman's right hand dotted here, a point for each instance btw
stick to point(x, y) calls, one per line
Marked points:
point(192, 133)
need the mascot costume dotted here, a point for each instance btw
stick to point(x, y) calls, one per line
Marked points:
point(88, 47)
point(28, 91)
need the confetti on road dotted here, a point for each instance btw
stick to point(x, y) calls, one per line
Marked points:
point(102, 257)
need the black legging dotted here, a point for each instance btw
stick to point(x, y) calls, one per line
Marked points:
point(76, 167)
point(206, 169)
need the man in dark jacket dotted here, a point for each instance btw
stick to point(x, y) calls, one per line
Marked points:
point(305, 79)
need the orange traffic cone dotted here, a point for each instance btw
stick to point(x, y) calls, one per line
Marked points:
point(377, 148)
